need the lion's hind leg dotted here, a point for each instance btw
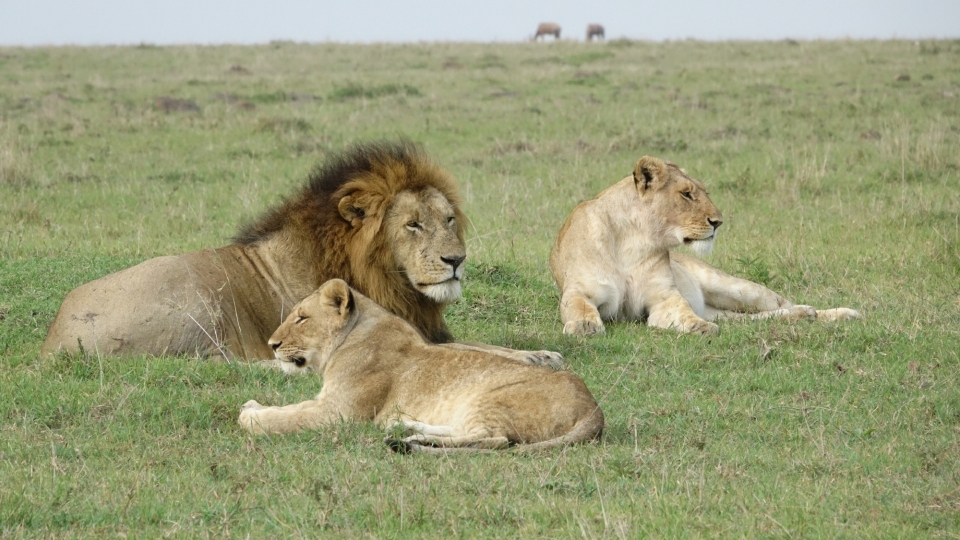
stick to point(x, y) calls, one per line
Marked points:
point(422, 437)
point(792, 313)
point(412, 428)
point(837, 314)
point(725, 293)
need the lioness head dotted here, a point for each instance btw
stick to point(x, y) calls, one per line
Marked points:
point(682, 211)
point(315, 328)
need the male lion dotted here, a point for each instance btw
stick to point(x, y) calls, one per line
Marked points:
point(375, 366)
point(612, 260)
point(381, 216)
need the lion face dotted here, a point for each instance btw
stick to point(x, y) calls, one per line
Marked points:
point(315, 328)
point(682, 213)
point(426, 242)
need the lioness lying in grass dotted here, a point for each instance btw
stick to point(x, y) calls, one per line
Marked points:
point(612, 260)
point(376, 366)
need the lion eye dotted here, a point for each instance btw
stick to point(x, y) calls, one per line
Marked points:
point(300, 319)
point(450, 221)
point(414, 226)
point(688, 195)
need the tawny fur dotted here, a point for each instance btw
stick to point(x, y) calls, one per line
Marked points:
point(612, 260)
point(376, 367)
point(345, 223)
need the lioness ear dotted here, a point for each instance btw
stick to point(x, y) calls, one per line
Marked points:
point(648, 172)
point(346, 304)
point(337, 294)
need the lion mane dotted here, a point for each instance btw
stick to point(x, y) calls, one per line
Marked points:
point(346, 222)
point(365, 182)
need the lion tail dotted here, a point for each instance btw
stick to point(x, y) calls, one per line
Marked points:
point(588, 428)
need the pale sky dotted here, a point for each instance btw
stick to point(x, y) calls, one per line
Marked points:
point(108, 22)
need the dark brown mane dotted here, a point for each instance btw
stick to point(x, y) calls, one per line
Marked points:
point(360, 255)
point(327, 178)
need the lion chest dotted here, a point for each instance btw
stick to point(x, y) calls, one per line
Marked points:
point(629, 287)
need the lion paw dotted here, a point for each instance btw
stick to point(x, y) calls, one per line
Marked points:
point(249, 417)
point(251, 405)
point(799, 312)
point(703, 328)
point(583, 328)
point(548, 359)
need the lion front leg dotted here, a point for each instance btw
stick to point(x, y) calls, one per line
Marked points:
point(579, 315)
point(675, 312)
point(311, 414)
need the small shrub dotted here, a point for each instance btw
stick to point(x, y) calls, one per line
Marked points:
point(354, 90)
point(283, 125)
point(755, 269)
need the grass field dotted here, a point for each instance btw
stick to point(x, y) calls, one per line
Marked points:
point(837, 167)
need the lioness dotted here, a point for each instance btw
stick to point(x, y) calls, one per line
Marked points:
point(381, 215)
point(375, 366)
point(612, 260)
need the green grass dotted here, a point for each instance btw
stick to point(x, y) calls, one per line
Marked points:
point(840, 186)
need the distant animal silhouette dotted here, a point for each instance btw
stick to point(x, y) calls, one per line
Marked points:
point(547, 29)
point(595, 31)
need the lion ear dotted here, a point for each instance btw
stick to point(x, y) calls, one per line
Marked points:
point(648, 172)
point(337, 294)
point(351, 211)
point(358, 206)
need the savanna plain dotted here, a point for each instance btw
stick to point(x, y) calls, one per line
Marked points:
point(837, 167)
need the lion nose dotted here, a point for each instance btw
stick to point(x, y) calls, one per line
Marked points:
point(274, 344)
point(454, 262)
point(715, 222)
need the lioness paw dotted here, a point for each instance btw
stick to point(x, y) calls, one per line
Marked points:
point(249, 420)
point(798, 313)
point(251, 405)
point(703, 328)
point(837, 314)
point(583, 328)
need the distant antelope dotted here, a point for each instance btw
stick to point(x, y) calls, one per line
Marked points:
point(548, 28)
point(595, 31)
